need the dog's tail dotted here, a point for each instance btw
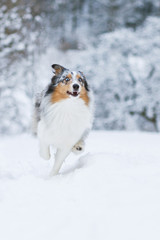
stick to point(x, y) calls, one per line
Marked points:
point(36, 113)
point(34, 123)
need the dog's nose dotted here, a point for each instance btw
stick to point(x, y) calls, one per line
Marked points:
point(75, 87)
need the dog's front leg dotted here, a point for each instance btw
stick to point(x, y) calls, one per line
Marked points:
point(60, 156)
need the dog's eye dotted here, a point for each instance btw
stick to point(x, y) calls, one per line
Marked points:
point(67, 79)
point(80, 79)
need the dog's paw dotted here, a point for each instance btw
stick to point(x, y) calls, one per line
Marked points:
point(78, 148)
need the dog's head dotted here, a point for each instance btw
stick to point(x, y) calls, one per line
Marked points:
point(68, 84)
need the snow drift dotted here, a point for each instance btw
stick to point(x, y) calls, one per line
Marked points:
point(111, 192)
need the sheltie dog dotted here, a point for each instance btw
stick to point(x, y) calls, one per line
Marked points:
point(63, 115)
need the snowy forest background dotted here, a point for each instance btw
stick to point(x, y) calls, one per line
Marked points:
point(116, 43)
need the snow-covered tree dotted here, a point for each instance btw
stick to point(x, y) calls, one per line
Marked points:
point(116, 43)
point(19, 37)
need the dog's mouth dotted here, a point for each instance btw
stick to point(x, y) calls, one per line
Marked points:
point(74, 94)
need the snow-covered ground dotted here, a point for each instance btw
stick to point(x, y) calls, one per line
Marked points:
point(111, 192)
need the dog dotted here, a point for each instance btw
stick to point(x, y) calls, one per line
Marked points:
point(63, 115)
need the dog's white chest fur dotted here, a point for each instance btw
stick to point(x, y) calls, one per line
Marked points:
point(65, 122)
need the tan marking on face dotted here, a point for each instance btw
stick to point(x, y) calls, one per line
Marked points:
point(69, 75)
point(84, 95)
point(78, 76)
point(60, 92)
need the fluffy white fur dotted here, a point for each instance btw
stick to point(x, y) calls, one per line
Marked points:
point(64, 125)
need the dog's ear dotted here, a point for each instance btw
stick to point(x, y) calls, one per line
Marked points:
point(85, 81)
point(58, 69)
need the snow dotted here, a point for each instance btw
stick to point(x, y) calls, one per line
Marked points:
point(110, 192)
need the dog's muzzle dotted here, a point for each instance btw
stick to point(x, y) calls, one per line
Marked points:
point(75, 91)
